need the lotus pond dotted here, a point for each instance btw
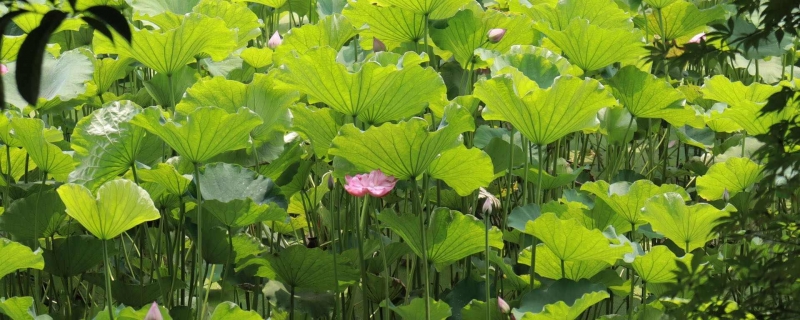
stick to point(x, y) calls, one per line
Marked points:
point(398, 159)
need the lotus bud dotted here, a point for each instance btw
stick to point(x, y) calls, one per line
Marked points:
point(275, 40)
point(3, 69)
point(378, 45)
point(698, 37)
point(726, 195)
point(331, 182)
point(154, 313)
point(503, 306)
point(495, 35)
point(490, 202)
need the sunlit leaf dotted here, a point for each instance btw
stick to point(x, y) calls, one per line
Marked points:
point(628, 199)
point(682, 18)
point(416, 310)
point(646, 96)
point(548, 265)
point(732, 176)
point(47, 156)
point(591, 47)
point(690, 227)
point(15, 256)
point(570, 241)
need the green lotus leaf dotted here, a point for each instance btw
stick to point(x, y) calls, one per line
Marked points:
point(11, 46)
point(332, 31)
point(307, 201)
point(236, 16)
point(18, 162)
point(47, 156)
point(167, 51)
point(74, 255)
point(657, 265)
point(543, 115)
point(167, 90)
point(66, 79)
point(658, 4)
point(734, 175)
point(564, 299)
point(403, 150)
point(703, 138)
point(240, 213)
point(745, 103)
point(690, 227)
point(227, 182)
point(476, 310)
point(107, 145)
point(230, 310)
point(375, 93)
point(155, 7)
point(207, 131)
point(548, 265)
point(108, 70)
point(117, 206)
point(591, 47)
point(415, 310)
point(646, 96)
point(261, 96)
point(319, 126)
point(682, 18)
point(601, 13)
point(549, 181)
point(167, 176)
point(298, 266)
point(15, 256)
point(716, 121)
point(17, 308)
point(603, 215)
point(36, 12)
point(434, 9)
point(130, 313)
point(628, 199)
point(391, 25)
point(257, 57)
point(464, 170)
point(468, 29)
point(538, 64)
point(38, 215)
point(571, 241)
point(451, 235)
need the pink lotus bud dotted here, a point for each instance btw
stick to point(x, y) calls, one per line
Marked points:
point(153, 313)
point(495, 35)
point(698, 37)
point(3, 69)
point(490, 202)
point(275, 40)
point(376, 183)
point(503, 306)
point(378, 45)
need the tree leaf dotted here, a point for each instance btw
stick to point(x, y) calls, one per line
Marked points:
point(47, 156)
point(628, 199)
point(36, 216)
point(31, 55)
point(570, 241)
point(543, 115)
point(416, 310)
point(733, 176)
point(107, 145)
point(119, 205)
point(690, 227)
point(464, 170)
point(375, 93)
point(592, 47)
point(646, 96)
point(15, 256)
point(451, 235)
point(206, 132)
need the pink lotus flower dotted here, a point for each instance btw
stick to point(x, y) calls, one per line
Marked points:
point(378, 45)
point(3, 69)
point(698, 37)
point(503, 306)
point(495, 35)
point(275, 40)
point(153, 313)
point(375, 183)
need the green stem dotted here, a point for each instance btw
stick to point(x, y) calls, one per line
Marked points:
point(424, 263)
point(362, 265)
point(486, 250)
point(109, 299)
point(199, 246)
point(387, 279)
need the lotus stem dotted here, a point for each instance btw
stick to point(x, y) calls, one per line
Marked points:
point(424, 263)
point(109, 298)
point(199, 246)
point(362, 264)
point(488, 284)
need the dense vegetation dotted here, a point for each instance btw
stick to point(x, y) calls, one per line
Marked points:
point(406, 159)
